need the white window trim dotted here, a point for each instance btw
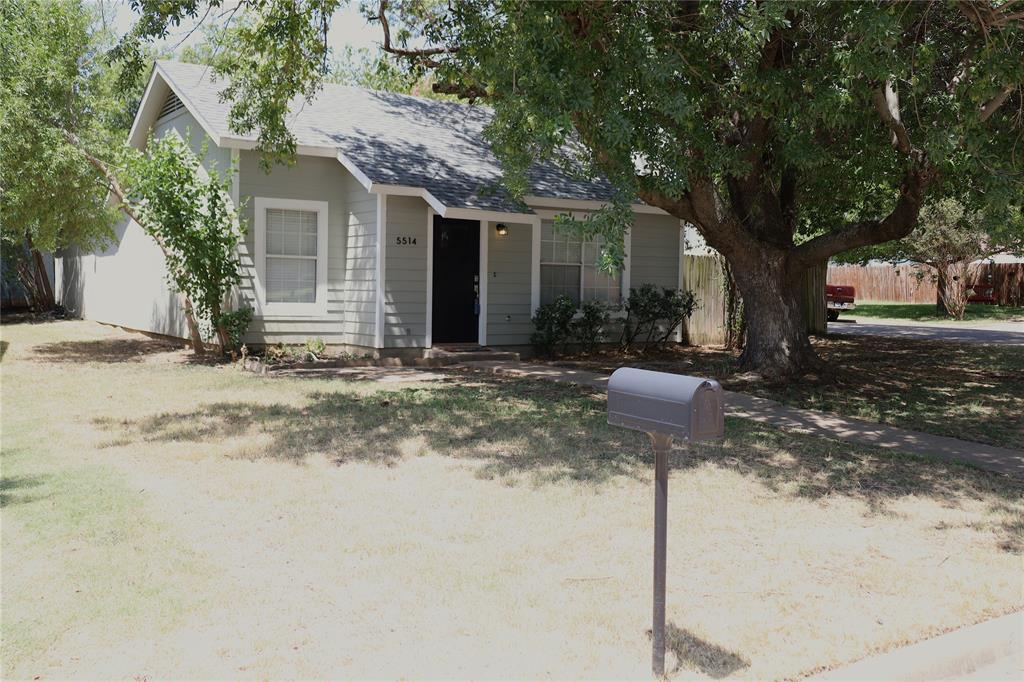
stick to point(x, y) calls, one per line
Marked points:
point(623, 272)
point(318, 308)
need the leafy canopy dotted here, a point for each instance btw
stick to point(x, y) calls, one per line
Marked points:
point(53, 81)
point(768, 111)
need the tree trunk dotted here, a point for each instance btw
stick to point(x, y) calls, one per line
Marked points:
point(193, 328)
point(36, 279)
point(777, 345)
point(953, 287)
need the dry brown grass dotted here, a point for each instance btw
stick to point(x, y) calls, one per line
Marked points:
point(168, 520)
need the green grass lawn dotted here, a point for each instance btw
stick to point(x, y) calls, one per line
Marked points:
point(925, 312)
point(163, 519)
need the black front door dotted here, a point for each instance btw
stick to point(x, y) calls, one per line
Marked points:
point(456, 264)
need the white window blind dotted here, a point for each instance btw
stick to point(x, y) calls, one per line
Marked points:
point(291, 256)
point(568, 267)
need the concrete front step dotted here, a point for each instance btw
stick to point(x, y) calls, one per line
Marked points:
point(434, 357)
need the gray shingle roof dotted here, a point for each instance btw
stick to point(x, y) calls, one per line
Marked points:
point(398, 140)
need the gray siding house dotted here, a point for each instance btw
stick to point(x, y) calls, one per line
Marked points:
point(389, 234)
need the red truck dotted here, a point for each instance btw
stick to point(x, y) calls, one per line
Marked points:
point(838, 297)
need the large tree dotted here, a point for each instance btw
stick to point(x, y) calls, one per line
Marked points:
point(786, 132)
point(52, 82)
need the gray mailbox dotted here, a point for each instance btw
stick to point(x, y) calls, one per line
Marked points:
point(665, 406)
point(689, 408)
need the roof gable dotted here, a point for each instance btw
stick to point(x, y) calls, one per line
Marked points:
point(391, 139)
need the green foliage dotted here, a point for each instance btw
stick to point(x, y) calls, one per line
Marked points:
point(53, 82)
point(234, 323)
point(553, 326)
point(278, 53)
point(194, 220)
point(364, 68)
point(590, 327)
point(315, 347)
point(652, 315)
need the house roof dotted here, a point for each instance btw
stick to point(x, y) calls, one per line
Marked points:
point(393, 139)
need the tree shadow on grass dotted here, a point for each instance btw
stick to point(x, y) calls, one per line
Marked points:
point(110, 351)
point(553, 433)
point(962, 390)
point(16, 489)
point(693, 652)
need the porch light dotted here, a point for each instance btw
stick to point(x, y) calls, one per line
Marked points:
point(502, 229)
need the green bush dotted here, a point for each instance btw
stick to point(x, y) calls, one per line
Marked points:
point(590, 327)
point(315, 347)
point(234, 323)
point(553, 326)
point(646, 307)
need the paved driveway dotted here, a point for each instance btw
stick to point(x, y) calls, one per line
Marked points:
point(1008, 334)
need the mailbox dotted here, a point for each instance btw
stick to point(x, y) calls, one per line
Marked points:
point(689, 408)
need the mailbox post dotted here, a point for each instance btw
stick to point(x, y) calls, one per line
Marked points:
point(664, 406)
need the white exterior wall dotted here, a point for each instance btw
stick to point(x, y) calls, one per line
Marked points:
point(126, 283)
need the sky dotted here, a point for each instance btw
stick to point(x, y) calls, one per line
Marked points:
point(348, 28)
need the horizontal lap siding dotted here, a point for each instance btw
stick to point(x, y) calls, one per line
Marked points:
point(351, 212)
point(655, 251)
point(359, 296)
point(405, 274)
point(508, 285)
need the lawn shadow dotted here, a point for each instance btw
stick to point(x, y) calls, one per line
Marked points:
point(16, 489)
point(513, 427)
point(963, 390)
point(695, 653)
point(3, 349)
point(111, 351)
point(553, 433)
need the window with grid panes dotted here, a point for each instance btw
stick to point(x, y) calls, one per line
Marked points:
point(568, 266)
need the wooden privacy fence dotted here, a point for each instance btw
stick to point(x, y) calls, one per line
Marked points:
point(900, 284)
point(885, 282)
point(703, 276)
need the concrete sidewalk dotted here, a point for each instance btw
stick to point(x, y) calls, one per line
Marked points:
point(991, 458)
point(993, 650)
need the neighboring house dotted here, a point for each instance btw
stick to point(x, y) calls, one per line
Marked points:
point(389, 234)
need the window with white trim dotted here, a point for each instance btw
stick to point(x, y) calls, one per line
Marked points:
point(291, 255)
point(568, 266)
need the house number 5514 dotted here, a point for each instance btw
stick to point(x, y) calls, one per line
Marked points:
point(403, 240)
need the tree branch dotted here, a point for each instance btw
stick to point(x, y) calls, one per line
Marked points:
point(993, 104)
point(887, 104)
point(897, 224)
point(423, 56)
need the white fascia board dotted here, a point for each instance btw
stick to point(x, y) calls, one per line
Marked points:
point(356, 172)
point(405, 191)
point(243, 143)
point(494, 216)
point(584, 204)
point(140, 115)
point(180, 92)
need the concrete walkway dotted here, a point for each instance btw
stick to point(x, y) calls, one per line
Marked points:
point(999, 460)
point(991, 334)
point(993, 650)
